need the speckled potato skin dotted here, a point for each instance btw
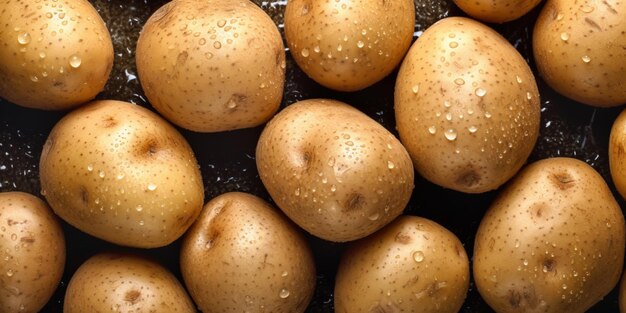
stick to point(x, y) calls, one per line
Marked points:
point(333, 170)
point(412, 265)
point(466, 106)
point(242, 255)
point(114, 282)
point(348, 45)
point(32, 249)
point(580, 52)
point(496, 11)
point(38, 43)
point(553, 241)
point(121, 173)
point(212, 65)
point(617, 153)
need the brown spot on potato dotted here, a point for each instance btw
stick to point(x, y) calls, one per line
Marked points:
point(84, 195)
point(609, 7)
point(522, 300)
point(549, 265)
point(27, 239)
point(384, 308)
point(182, 58)
point(305, 8)
point(563, 180)
point(355, 201)
point(593, 24)
point(162, 16)
point(412, 281)
point(132, 296)
point(403, 238)
point(108, 121)
point(468, 178)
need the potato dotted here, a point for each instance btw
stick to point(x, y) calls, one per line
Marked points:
point(212, 65)
point(412, 265)
point(333, 170)
point(243, 256)
point(467, 106)
point(33, 252)
point(617, 153)
point(115, 282)
point(121, 173)
point(553, 240)
point(579, 50)
point(53, 56)
point(349, 45)
point(496, 11)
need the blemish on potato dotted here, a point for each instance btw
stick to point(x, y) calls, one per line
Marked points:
point(386, 308)
point(403, 238)
point(108, 121)
point(468, 178)
point(563, 180)
point(549, 265)
point(355, 201)
point(525, 299)
point(132, 296)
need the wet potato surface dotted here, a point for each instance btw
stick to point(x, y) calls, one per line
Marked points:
point(227, 159)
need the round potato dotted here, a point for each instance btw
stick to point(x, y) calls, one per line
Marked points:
point(411, 265)
point(496, 11)
point(243, 256)
point(553, 241)
point(333, 170)
point(617, 153)
point(33, 252)
point(52, 56)
point(212, 65)
point(112, 282)
point(121, 173)
point(467, 106)
point(349, 45)
point(579, 50)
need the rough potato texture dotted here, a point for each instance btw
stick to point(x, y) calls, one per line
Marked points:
point(212, 65)
point(349, 45)
point(496, 11)
point(466, 106)
point(32, 250)
point(121, 173)
point(54, 55)
point(334, 171)
point(112, 282)
point(553, 241)
point(244, 256)
point(411, 265)
point(580, 50)
point(617, 153)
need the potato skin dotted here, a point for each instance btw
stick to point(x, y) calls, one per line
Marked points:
point(53, 58)
point(411, 265)
point(579, 50)
point(553, 241)
point(243, 256)
point(496, 11)
point(333, 170)
point(222, 69)
point(33, 252)
point(121, 173)
point(349, 45)
point(467, 106)
point(116, 282)
point(617, 153)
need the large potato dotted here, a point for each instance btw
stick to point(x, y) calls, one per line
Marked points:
point(212, 65)
point(53, 56)
point(121, 173)
point(348, 45)
point(467, 106)
point(333, 170)
point(496, 11)
point(32, 250)
point(112, 282)
point(580, 50)
point(553, 241)
point(411, 265)
point(243, 256)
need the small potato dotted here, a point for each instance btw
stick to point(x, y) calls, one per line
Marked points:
point(112, 282)
point(32, 250)
point(411, 265)
point(212, 65)
point(53, 55)
point(348, 45)
point(333, 170)
point(617, 153)
point(553, 241)
point(580, 50)
point(496, 11)
point(467, 106)
point(121, 173)
point(243, 256)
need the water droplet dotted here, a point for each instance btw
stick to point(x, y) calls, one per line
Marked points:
point(49, 15)
point(481, 92)
point(75, 61)
point(390, 165)
point(487, 115)
point(559, 16)
point(447, 104)
point(432, 130)
point(415, 89)
point(139, 208)
point(525, 262)
point(141, 223)
point(472, 129)
point(373, 216)
point(10, 272)
point(23, 38)
point(34, 78)
point(586, 59)
point(453, 44)
point(221, 23)
point(450, 134)
point(42, 55)
point(333, 188)
point(459, 81)
point(101, 174)
point(305, 52)
point(564, 286)
point(90, 167)
point(297, 192)
point(202, 41)
point(284, 293)
point(519, 79)
point(339, 48)
point(13, 237)
point(152, 187)
point(217, 45)
point(529, 95)
point(316, 49)
point(61, 70)
point(360, 44)
point(470, 111)
point(608, 225)
point(564, 36)
point(418, 256)
point(449, 116)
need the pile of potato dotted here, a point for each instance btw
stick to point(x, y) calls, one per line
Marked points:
point(467, 114)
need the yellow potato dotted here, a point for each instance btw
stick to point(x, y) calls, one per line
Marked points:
point(617, 153)
point(212, 65)
point(553, 241)
point(496, 11)
point(349, 45)
point(32, 250)
point(580, 50)
point(53, 55)
point(121, 173)
point(333, 170)
point(244, 256)
point(467, 106)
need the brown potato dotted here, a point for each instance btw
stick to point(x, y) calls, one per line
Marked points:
point(496, 11)
point(617, 153)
